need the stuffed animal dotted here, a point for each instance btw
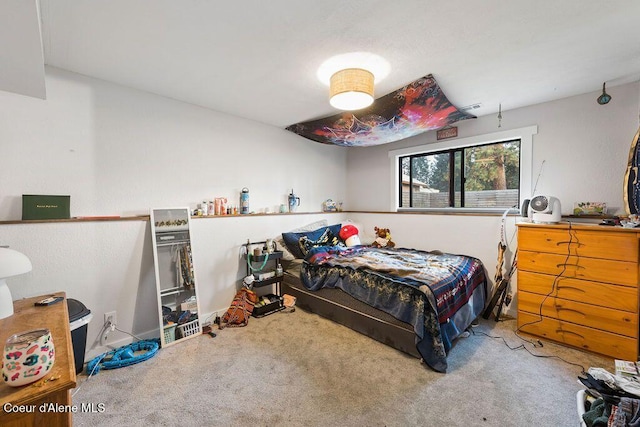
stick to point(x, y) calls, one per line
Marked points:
point(383, 238)
point(349, 233)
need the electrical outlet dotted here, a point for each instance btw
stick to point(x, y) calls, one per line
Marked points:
point(110, 322)
point(111, 319)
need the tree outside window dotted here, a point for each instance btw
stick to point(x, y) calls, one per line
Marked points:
point(481, 176)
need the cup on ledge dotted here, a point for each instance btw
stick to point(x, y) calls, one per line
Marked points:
point(27, 357)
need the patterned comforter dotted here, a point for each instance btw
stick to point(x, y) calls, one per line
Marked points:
point(421, 288)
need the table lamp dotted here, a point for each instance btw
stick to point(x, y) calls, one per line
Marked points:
point(12, 263)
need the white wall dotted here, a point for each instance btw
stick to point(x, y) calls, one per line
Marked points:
point(585, 145)
point(109, 265)
point(118, 151)
point(121, 151)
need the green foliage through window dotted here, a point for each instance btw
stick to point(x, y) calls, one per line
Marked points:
point(480, 176)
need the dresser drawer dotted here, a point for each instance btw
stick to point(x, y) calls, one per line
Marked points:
point(602, 294)
point(620, 246)
point(606, 319)
point(607, 343)
point(599, 270)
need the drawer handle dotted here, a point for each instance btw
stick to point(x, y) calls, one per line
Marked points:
point(570, 309)
point(568, 265)
point(571, 287)
point(578, 244)
point(569, 332)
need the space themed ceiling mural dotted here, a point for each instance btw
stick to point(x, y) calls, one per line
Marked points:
point(418, 107)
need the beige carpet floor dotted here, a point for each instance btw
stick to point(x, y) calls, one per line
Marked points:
point(298, 369)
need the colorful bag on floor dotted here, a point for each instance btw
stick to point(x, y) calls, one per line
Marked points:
point(240, 310)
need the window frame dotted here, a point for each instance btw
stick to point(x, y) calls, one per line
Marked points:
point(525, 135)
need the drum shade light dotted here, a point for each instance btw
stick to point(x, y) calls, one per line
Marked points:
point(351, 89)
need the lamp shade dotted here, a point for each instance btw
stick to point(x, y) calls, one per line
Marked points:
point(351, 89)
point(12, 263)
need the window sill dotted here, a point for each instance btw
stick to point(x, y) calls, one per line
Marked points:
point(461, 211)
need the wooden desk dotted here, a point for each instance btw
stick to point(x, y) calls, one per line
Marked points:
point(55, 394)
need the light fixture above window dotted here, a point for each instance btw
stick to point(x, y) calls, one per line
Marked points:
point(605, 97)
point(351, 89)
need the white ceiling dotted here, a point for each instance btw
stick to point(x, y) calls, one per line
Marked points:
point(258, 59)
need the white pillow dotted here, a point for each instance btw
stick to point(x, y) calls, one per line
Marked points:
point(280, 246)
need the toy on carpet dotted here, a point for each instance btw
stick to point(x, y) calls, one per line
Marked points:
point(349, 233)
point(124, 356)
point(383, 238)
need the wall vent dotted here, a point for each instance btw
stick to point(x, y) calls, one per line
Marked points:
point(471, 107)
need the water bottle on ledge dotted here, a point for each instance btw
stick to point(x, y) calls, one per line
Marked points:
point(244, 201)
point(294, 202)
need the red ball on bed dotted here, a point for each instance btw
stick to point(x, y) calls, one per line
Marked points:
point(349, 233)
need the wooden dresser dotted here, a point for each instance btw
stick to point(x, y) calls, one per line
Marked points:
point(578, 285)
point(53, 397)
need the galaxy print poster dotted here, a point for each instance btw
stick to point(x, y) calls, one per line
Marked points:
point(418, 107)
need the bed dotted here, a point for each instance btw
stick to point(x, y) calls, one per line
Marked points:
point(415, 301)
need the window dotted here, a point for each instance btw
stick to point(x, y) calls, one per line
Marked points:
point(481, 173)
point(479, 176)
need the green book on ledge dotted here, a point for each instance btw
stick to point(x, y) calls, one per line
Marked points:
point(45, 207)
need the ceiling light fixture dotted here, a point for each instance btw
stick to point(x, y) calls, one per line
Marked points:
point(351, 89)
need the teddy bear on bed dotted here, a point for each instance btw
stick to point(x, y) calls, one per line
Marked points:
point(383, 238)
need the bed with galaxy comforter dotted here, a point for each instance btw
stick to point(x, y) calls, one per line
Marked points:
point(435, 296)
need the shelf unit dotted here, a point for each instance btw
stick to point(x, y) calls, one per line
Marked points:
point(176, 283)
point(265, 263)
